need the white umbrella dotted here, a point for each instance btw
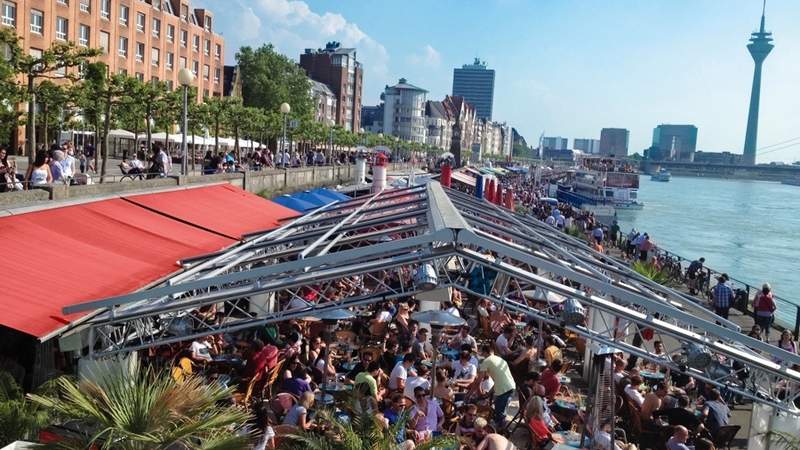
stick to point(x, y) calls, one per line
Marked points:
point(383, 149)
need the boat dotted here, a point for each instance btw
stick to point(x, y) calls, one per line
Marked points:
point(661, 175)
point(602, 191)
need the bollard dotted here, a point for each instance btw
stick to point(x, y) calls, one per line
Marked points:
point(447, 173)
point(479, 186)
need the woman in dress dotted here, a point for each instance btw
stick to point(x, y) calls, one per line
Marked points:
point(39, 173)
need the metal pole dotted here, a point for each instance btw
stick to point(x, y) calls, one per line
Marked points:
point(184, 126)
point(330, 146)
point(283, 143)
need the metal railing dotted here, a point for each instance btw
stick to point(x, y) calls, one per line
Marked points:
point(704, 286)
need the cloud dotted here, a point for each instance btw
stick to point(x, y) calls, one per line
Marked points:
point(428, 56)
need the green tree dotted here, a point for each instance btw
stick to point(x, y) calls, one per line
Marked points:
point(53, 100)
point(199, 119)
point(269, 79)
point(147, 411)
point(149, 95)
point(167, 110)
point(20, 419)
point(53, 63)
point(11, 93)
point(218, 114)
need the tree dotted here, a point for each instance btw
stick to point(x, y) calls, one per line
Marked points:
point(167, 109)
point(781, 439)
point(11, 93)
point(52, 99)
point(149, 95)
point(269, 79)
point(148, 410)
point(53, 63)
point(219, 112)
point(20, 419)
point(199, 119)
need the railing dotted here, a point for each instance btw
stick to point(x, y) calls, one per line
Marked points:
point(704, 286)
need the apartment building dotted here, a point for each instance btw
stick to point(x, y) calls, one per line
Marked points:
point(148, 39)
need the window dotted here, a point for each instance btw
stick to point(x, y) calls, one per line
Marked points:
point(170, 60)
point(86, 6)
point(195, 67)
point(208, 23)
point(122, 50)
point(155, 56)
point(206, 71)
point(216, 75)
point(170, 33)
point(123, 15)
point(140, 20)
point(170, 86)
point(37, 21)
point(105, 9)
point(9, 14)
point(139, 76)
point(123, 72)
point(168, 7)
point(207, 49)
point(139, 52)
point(156, 28)
point(156, 4)
point(63, 2)
point(218, 51)
point(183, 62)
point(62, 28)
point(154, 80)
point(184, 38)
point(83, 35)
point(105, 39)
point(184, 12)
point(196, 43)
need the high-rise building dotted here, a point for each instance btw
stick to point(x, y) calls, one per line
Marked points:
point(589, 146)
point(338, 68)
point(614, 142)
point(147, 39)
point(404, 111)
point(759, 47)
point(674, 142)
point(440, 125)
point(324, 102)
point(475, 83)
point(555, 143)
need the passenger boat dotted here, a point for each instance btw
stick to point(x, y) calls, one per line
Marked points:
point(604, 191)
point(661, 175)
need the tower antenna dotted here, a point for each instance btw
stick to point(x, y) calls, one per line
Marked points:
point(763, 13)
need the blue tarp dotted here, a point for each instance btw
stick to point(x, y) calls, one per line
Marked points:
point(308, 200)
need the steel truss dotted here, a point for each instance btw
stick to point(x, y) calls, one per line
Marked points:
point(367, 248)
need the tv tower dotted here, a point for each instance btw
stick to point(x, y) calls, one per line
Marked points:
point(759, 47)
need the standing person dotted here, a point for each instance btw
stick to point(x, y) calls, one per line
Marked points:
point(764, 307)
point(693, 273)
point(166, 161)
point(645, 246)
point(68, 164)
point(156, 168)
point(597, 234)
point(497, 369)
point(614, 233)
point(722, 297)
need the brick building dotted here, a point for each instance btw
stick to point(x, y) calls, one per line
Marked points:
point(339, 69)
point(148, 39)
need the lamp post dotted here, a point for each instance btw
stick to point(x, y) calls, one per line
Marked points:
point(185, 78)
point(331, 124)
point(285, 110)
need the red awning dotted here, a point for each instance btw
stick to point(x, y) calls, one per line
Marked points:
point(222, 209)
point(68, 255)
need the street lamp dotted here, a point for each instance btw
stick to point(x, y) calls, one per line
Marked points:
point(331, 124)
point(285, 110)
point(185, 78)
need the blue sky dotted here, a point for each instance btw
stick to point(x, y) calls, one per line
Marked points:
point(564, 67)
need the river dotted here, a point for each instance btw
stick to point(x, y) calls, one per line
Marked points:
point(749, 229)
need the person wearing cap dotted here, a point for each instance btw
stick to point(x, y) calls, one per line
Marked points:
point(764, 307)
point(722, 297)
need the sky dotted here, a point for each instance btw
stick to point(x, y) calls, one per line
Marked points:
point(563, 67)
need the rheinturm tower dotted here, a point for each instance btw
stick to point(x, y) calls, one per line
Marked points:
point(759, 47)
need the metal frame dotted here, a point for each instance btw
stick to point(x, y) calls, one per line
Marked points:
point(364, 241)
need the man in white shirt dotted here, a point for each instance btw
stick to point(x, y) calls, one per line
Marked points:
point(418, 380)
point(201, 350)
point(632, 390)
point(165, 160)
point(503, 341)
point(397, 379)
point(464, 371)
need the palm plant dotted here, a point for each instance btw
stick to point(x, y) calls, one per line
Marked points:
point(20, 419)
point(148, 410)
point(781, 439)
point(654, 273)
point(364, 431)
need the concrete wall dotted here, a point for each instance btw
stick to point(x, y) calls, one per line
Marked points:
point(269, 183)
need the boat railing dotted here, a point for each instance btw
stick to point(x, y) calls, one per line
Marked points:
point(745, 305)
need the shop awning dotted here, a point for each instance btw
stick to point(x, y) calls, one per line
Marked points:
point(63, 256)
point(463, 178)
point(223, 209)
point(308, 200)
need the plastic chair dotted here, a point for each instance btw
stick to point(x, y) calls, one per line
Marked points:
point(725, 435)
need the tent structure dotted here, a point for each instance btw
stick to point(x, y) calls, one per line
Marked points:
point(308, 200)
point(470, 245)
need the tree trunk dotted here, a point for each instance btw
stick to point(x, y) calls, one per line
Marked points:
point(194, 152)
point(31, 124)
point(44, 130)
point(236, 149)
point(96, 139)
point(216, 135)
point(106, 127)
point(148, 116)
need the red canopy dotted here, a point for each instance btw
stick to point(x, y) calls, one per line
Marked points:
point(222, 209)
point(62, 256)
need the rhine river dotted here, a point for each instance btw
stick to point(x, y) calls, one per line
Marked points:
point(749, 229)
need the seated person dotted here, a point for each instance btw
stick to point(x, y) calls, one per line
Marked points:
point(426, 416)
point(298, 413)
point(397, 379)
point(393, 414)
point(369, 379)
point(298, 383)
point(466, 425)
point(652, 401)
point(420, 379)
point(503, 342)
point(680, 415)
point(632, 391)
point(551, 380)
point(463, 338)
point(716, 413)
point(201, 350)
point(464, 371)
point(494, 441)
point(602, 438)
point(678, 439)
point(361, 365)
point(442, 391)
point(540, 432)
point(551, 351)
